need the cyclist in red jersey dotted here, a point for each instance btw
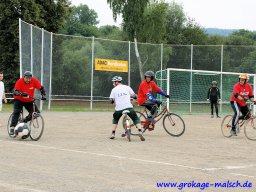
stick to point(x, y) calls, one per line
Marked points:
point(145, 97)
point(242, 92)
point(24, 88)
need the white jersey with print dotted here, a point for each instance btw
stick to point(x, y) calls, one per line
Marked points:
point(1, 91)
point(122, 96)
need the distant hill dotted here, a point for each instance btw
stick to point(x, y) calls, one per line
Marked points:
point(222, 32)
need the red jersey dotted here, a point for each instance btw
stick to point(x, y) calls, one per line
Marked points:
point(29, 88)
point(146, 88)
point(244, 91)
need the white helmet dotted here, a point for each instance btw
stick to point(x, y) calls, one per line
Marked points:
point(117, 78)
point(22, 130)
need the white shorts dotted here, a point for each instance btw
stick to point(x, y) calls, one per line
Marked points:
point(0, 107)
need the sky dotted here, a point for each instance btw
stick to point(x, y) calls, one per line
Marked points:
point(224, 14)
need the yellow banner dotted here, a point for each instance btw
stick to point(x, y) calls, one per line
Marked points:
point(111, 65)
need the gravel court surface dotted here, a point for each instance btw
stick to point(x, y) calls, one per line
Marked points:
point(75, 154)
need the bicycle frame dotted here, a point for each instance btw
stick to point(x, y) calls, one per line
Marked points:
point(246, 119)
point(160, 115)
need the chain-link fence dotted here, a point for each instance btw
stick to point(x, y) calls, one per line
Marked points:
point(65, 65)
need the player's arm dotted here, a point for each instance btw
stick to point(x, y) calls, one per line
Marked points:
point(111, 97)
point(237, 96)
point(160, 91)
point(218, 92)
point(251, 96)
point(208, 94)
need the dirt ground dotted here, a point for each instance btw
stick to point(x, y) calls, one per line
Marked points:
point(75, 154)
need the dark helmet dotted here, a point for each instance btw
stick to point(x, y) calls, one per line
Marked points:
point(149, 74)
point(28, 74)
point(214, 83)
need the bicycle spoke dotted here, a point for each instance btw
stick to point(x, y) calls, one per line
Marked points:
point(174, 124)
point(250, 129)
point(37, 127)
point(226, 126)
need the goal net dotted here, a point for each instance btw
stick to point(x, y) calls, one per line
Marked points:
point(188, 89)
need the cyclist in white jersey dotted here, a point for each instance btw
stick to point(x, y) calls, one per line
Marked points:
point(121, 96)
point(2, 93)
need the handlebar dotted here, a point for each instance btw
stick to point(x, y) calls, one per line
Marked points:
point(25, 95)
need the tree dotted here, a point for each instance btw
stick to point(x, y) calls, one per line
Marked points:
point(47, 14)
point(153, 29)
point(81, 21)
point(111, 32)
point(132, 13)
point(175, 23)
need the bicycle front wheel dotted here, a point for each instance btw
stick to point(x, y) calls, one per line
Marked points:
point(226, 126)
point(250, 129)
point(173, 124)
point(36, 127)
point(9, 124)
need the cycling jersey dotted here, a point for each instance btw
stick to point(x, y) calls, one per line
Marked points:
point(29, 88)
point(244, 91)
point(146, 88)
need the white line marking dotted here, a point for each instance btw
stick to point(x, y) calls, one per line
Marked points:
point(19, 188)
point(243, 175)
point(134, 159)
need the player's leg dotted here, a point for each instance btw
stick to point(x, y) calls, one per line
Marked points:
point(216, 109)
point(236, 109)
point(116, 117)
point(136, 121)
point(15, 115)
point(29, 107)
point(211, 109)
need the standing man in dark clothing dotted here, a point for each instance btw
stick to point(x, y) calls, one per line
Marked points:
point(214, 96)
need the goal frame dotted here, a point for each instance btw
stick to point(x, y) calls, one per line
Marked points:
point(210, 72)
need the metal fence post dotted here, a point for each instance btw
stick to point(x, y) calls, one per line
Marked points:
point(92, 73)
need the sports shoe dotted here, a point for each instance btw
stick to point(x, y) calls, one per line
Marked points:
point(141, 136)
point(211, 116)
point(233, 132)
point(218, 116)
point(150, 119)
point(12, 133)
point(123, 134)
point(112, 136)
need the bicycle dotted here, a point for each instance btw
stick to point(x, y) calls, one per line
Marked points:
point(248, 124)
point(36, 124)
point(127, 127)
point(173, 124)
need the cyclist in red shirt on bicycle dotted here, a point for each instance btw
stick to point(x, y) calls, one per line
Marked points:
point(242, 92)
point(24, 88)
point(145, 97)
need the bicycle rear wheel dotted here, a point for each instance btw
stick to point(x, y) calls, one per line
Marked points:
point(36, 126)
point(173, 124)
point(250, 129)
point(9, 124)
point(132, 126)
point(226, 126)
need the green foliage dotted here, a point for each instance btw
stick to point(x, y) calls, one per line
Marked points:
point(132, 13)
point(47, 14)
point(154, 23)
point(111, 32)
point(81, 21)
